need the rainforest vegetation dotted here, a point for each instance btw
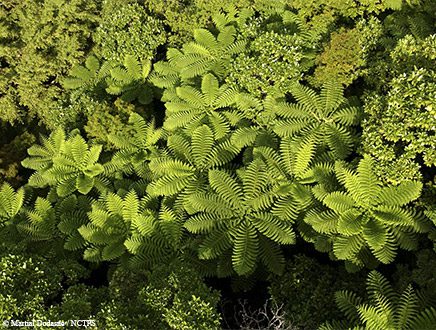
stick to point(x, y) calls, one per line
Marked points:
point(218, 164)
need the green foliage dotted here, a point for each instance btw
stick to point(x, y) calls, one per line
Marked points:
point(91, 76)
point(217, 156)
point(11, 202)
point(40, 41)
point(172, 296)
point(190, 107)
point(420, 274)
point(292, 175)
point(207, 54)
point(321, 14)
point(279, 51)
point(11, 154)
point(183, 169)
point(121, 224)
point(136, 149)
point(184, 17)
point(395, 132)
point(127, 29)
point(128, 80)
point(66, 164)
point(368, 218)
point(105, 119)
point(385, 308)
point(345, 57)
point(236, 215)
point(311, 293)
point(317, 120)
point(30, 283)
point(257, 55)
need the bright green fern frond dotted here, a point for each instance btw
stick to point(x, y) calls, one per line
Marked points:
point(226, 187)
point(332, 96)
point(367, 181)
point(215, 244)
point(378, 284)
point(404, 193)
point(407, 309)
point(278, 231)
point(210, 203)
point(307, 97)
point(202, 143)
point(11, 201)
point(347, 247)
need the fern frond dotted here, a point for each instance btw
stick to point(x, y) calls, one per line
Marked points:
point(324, 222)
point(400, 195)
point(11, 201)
point(215, 244)
point(407, 309)
point(202, 143)
point(226, 187)
point(425, 320)
point(271, 255)
point(350, 222)
point(168, 185)
point(203, 223)
point(304, 156)
point(245, 249)
point(347, 247)
point(278, 231)
point(347, 303)
point(210, 203)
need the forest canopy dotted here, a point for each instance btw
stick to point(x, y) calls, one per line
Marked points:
point(198, 164)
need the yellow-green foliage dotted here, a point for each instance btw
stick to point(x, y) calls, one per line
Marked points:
point(345, 56)
point(320, 14)
point(367, 220)
point(400, 125)
point(127, 29)
point(40, 40)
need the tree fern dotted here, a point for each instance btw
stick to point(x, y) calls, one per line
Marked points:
point(42, 156)
point(183, 170)
point(121, 226)
point(128, 79)
point(208, 53)
point(41, 221)
point(131, 80)
point(71, 213)
point(67, 165)
point(293, 173)
point(136, 150)
point(193, 106)
point(88, 76)
point(11, 202)
point(385, 309)
point(231, 217)
point(317, 119)
point(367, 215)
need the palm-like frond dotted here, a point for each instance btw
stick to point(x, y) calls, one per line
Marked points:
point(238, 208)
point(368, 215)
point(324, 119)
point(384, 309)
